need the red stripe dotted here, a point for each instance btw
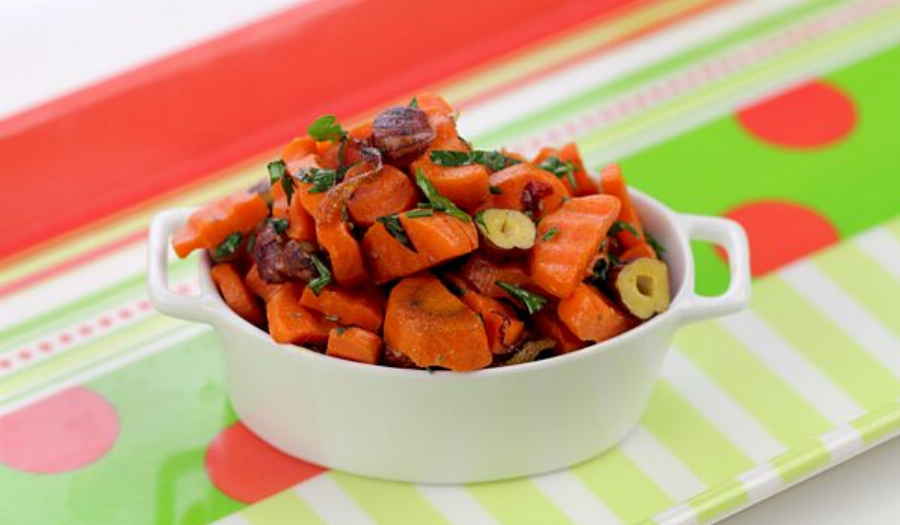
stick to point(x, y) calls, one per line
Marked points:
point(108, 147)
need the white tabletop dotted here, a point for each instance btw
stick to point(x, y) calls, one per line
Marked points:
point(50, 47)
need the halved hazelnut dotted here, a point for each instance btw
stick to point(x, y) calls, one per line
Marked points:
point(642, 286)
point(402, 133)
point(506, 229)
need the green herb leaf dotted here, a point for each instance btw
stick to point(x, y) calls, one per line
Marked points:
point(450, 158)
point(280, 225)
point(230, 245)
point(618, 226)
point(277, 170)
point(479, 220)
point(561, 169)
point(326, 127)
point(657, 247)
point(532, 301)
point(438, 201)
point(251, 242)
point(495, 190)
point(322, 180)
point(414, 103)
point(551, 233)
point(393, 225)
point(341, 329)
point(415, 214)
point(324, 278)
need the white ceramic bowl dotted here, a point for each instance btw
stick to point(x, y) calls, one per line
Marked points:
point(448, 427)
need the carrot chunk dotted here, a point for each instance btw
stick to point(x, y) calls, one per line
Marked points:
point(236, 294)
point(289, 322)
point(362, 307)
point(207, 227)
point(483, 275)
point(592, 316)
point(392, 192)
point(354, 344)
point(502, 326)
point(584, 185)
point(559, 261)
point(258, 286)
point(525, 188)
point(428, 324)
point(613, 183)
point(467, 186)
point(549, 325)
point(300, 223)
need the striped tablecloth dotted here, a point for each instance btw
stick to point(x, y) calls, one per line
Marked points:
point(780, 114)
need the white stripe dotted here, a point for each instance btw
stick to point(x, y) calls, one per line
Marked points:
point(456, 504)
point(843, 443)
point(234, 519)
point(883, 247)
point(163, 343)
point(785, 361)
point(720, 409)
point(846, 313)
point(761, 482)
point(681, 514)
point(660, 465)
point(576, 501)
point(616, 64)
point(330, 502)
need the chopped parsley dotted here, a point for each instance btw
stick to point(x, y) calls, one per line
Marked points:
point(278, 172)
point(657, 247)
point(414, 103)
point(602, 267)
point(324, 278)
point(280, 225)
point(495, 190)
point(230, 245)
point(560, 168)
point(551, 233)
point(394, 227)
point(321, 180)
point(493, 160)
point(340, 329)
point(479, 220)
point(618, 226)
point(326, 127)
point(438, 201)
point(422, 212)
point(532, 301)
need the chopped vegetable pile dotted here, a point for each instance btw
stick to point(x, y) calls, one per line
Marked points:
point(395, 242)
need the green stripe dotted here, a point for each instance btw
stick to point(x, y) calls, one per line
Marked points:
point(596, 97)
point(719, 500)
point(797, 463)
point(286, 508)
point(517, 502)
point(692, 438)
point(622, 486)
point(865, 280)
point(70, 314)
point(388, 502)
point(893, 228)
point(771, 401)
point(603, 139)
point(823, 344)
point(878, 424)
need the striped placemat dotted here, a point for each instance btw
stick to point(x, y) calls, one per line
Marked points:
point(111, 413)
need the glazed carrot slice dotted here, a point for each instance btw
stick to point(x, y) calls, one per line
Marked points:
point(467, 186)
point(502, 326)
point(362, 306)
point(428, 324)
point(638, 251)
point(300, 223)
point(592, 316)
point(559, 261)
point(613, 183)
point(291, 323)
point(483, 274)
point(549, 325)
point(436, 239)
point(392, 192)
point(258, 286)
point(354, 344)
point(298, 149)
point(440, 115)
point(524, 187)
point(236, 293)
point(207, 227)
point(584, 185)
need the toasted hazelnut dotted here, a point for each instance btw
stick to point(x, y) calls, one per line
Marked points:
point(641, 286)
point(530, 351)
point(402, 133)
point(506, 229)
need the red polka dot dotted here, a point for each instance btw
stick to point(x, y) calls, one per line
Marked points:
point(64, 432)
point(45, 346)
point(781, 232)
point(810, 116)
point(248, 469)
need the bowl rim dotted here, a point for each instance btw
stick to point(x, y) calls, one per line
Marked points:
point(290, 350)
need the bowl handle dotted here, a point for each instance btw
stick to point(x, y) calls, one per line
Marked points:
point(732, 238)
point(200, 308)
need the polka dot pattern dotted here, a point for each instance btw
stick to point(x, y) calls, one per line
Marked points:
point(248, 469)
